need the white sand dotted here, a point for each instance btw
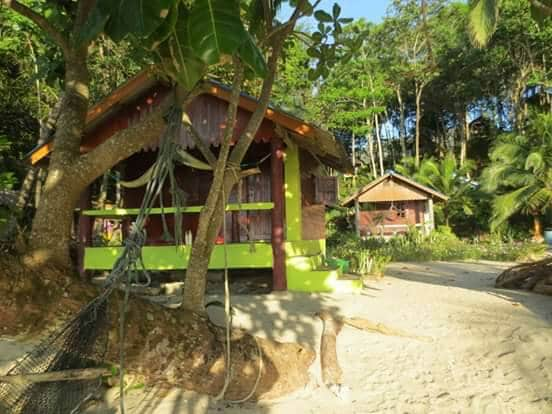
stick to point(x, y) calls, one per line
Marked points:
point(491, 350)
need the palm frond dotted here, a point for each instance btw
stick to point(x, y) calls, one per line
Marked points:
point(482, 21)
point(506, 205)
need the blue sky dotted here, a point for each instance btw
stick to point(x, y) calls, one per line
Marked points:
point(371, 10)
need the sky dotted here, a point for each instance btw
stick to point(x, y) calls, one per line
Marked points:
point(371, 10)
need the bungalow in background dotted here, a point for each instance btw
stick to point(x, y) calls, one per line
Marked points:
point(392, 204)
point(275, 220)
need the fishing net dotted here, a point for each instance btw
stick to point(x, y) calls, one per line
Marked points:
point(82, 343)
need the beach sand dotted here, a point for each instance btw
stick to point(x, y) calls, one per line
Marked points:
point(485, 350)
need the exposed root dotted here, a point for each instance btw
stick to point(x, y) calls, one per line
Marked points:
point(169, 347)
point(535, 276)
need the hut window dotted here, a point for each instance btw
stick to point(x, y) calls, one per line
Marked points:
point(325, 189)
point(401, 210)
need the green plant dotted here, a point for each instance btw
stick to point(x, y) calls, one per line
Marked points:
point(521, 173)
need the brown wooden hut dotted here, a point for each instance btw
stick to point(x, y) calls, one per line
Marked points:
point(392, 204)
point(275, 219)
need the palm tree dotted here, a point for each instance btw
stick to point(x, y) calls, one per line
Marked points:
point(521, 173)
point(447, 177)
point(484, 14)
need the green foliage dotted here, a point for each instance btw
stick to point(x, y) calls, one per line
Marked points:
point(440, 245)
point(449, 178)
point(520, 173)
point(186, 38)
point(363, 258)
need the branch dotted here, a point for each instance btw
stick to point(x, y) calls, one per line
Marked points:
point(543, 8)
point(41, 22)
point(126, 142)
point(254, 123)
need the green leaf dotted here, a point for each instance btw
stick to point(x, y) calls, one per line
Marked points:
point(336, 10)
point(217, 29)
point(164, 31)
point(322, 16)
point(252, 56)
point(178, 59)
point(95, 23)
point(482, 21)
point(139, 18)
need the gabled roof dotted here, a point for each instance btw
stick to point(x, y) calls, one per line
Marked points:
point(400, 178)
point(304, 134)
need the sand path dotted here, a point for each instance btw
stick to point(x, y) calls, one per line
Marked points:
point(491, 350)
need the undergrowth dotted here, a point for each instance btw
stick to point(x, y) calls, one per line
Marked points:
point(440, 245)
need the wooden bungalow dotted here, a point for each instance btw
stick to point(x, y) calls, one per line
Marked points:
point(392, 204)
point(274, 220)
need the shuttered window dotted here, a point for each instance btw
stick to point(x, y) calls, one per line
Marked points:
point(326, 190)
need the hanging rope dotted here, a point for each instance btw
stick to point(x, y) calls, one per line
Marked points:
point(228, 310)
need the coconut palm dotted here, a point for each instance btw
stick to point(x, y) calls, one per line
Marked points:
point(447, 177)
point(520, 174)
point(484, 14)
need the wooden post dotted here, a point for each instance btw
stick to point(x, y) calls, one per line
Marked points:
point(85, 229)
point(277, 188)
point(431, 214)
point(357, 217)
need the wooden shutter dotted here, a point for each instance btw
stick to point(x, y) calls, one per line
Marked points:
point(326, 190)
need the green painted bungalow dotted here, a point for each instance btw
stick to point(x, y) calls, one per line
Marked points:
point(275, 219)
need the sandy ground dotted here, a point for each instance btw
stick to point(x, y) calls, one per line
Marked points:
point(490, 349)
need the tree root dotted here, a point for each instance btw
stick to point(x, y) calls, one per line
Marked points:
point(169, 347)
point(535, 276)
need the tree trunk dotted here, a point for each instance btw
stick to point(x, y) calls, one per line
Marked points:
point(464, 136)
point(63, 184)
point(380, 149)
point(102, 198)
point(402, 123)
point(537, 229)
point(419, 91)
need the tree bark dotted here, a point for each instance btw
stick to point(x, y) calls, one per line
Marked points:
point(419, 91)
point(402, 123)
point(210, 218)
point(63, 184)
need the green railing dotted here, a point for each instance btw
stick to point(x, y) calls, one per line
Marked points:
point(123, 212)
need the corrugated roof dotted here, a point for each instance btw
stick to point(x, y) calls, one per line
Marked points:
point(145, 80)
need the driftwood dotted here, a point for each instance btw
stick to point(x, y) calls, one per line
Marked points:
point(67, 375)
point(535, 276)
point(331, 371)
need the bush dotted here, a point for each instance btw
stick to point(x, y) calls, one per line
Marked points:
point(373, 254)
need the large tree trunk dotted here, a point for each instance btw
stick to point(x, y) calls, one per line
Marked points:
point(419, 91)
point(402, 123)
point(464, 136)
point(168, 346)
point(52, 223)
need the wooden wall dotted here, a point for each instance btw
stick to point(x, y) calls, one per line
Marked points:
point(406, 213)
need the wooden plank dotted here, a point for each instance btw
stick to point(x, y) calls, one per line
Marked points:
point(66, 375)
point(123, 212)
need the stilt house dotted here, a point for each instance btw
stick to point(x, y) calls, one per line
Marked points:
point(275, 219)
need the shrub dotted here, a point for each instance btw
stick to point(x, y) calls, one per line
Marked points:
point(373, 254)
